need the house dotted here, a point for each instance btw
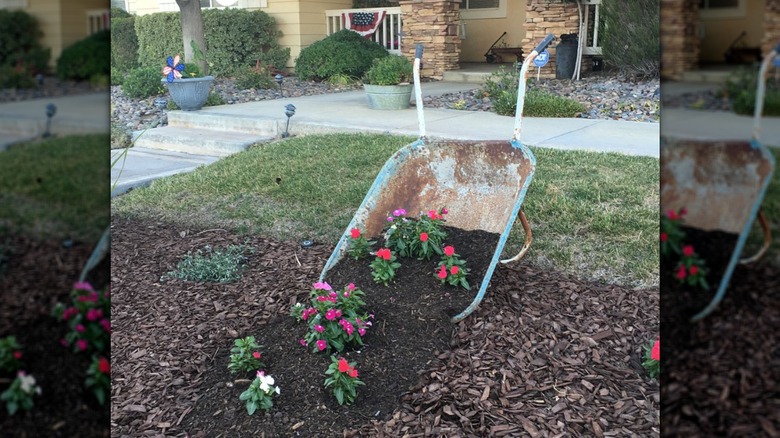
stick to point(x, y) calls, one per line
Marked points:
point(706, 33)
point(64, 22)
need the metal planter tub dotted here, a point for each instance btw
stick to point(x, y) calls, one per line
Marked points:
point(388, 97)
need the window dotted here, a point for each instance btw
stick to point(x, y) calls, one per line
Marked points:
point(217, 3)
point(13, 4)
point(478, 4)
point(722, 8)
point(121, 4)
point(477, 9)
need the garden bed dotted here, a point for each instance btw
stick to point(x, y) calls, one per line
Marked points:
point(543, 354)
point(34, 276)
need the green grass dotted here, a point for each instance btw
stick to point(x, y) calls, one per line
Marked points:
point(56, 188)
point(594, 215)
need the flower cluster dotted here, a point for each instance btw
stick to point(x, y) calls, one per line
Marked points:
point(99, 378)
point(359, 246)
point(335, 319)
point(89, 320)
point(244, 356)
point(652, 358)
point(691, 268)
point(384, 265)
point(671, 233)
point(421, 237)
point(259, 393)
point(452, 269)
point(343, 380)
point(20, 394)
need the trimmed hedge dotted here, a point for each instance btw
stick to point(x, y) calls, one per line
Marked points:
point(124, 44)
point(235, 37)
point(343, 53)
point(86, 58)
point(19, 42)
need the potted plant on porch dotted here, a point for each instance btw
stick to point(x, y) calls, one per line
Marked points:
point(189, 90)
point(388, 83)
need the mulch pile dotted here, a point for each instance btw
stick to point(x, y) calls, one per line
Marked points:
point(721, 375)
point(34, 276)
point(543, 355)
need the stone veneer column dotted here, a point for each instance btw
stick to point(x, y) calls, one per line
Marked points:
point(679, 37)
point(771, 26)
point(434, 24)
point(543, 17)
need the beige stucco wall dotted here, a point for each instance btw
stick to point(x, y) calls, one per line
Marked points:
point(718, 33)
point(481, 33)
point(63, 22)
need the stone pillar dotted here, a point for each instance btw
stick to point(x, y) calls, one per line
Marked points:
point(771, 26)
point(434, 24)
point(543, 17)
point(679, 37)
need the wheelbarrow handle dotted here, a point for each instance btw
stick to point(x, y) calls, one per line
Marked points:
point(545, 42)
point(418, 52)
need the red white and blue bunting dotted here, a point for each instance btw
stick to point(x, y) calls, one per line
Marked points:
point(364, 23)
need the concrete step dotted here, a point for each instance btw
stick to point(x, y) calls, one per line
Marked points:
point(470, 77)
point(198, 141)
point(224, 122)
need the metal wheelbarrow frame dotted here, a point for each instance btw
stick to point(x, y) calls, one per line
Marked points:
point(721, 183)
point(482, 183)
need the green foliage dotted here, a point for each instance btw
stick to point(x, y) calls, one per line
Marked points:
point(630, 39)
point(245, 356)
point(212, 265)
point(343, 53)
point(12, 77)
point(343, 380)
point(214, 99)
point(259, 393)
point(20, 42)
point(143, 82)
point(389, 70)
point(120, 137)
point(341, 80)
point(235, 38)
point(117, 76)
point(124, 43)
point(191, 70)
point(253, 77)
point(741, 90)
point(86, 58)
point(10, 354)
point(119, 13)
point(501, 88)
point(20, 394)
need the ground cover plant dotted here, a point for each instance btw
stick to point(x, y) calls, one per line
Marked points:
point(542, 354)
point(52, 213)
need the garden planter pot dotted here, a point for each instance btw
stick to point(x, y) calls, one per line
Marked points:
point(388, 97)
point(190, 94)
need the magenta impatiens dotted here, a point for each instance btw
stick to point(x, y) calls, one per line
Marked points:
point(690, 269)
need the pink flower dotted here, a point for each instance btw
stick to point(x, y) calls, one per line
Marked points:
point(680, 272)
point(442, 272)
point(655, 353)
point(454, 270)
point(330, 315)
point(671, 215)
point(79, 328)
point(303, 342)
point(106, 324)
point(449, 250)
point(664, 237)
point(351, 287)
point(444, 211)
point(322, 298)
point(256, 355)
point(92, 297)
point(322, 285)
point(83, 285)
point(389, 218)
point(423, 237)
point(693, 270)
point(69, 313)
point(104, 366)
point(687, 250)
point(355, 233)
point(94, 314)
point(338, 313)
point(333, 297)
point(17, 355)
point(362, 331)
point(319, 329)
point(399, 212)
point(683, 212)
point(384, 254)
point(343, 365)
point(352, 372)
point(432, 214)
point(321, 344)
point(82, 344)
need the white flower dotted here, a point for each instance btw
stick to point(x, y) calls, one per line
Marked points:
point(277, 390)
point(28, 383)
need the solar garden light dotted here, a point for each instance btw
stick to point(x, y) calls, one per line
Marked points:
point(279, 78)
point(39, 79)
point(161, 102)
point(289, 111)
point(51, 109)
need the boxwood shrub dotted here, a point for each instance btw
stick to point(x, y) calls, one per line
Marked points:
point(124, 43)
point(86, 58)
point(20, 42)
point(143, 82)
point(343, 53)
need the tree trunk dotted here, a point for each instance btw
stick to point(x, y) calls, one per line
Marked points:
point(192, 30)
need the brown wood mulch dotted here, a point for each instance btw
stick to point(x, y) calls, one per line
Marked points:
point(721, 375)
point(543, 355)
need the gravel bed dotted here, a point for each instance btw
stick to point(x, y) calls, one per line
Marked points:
point(51, 87)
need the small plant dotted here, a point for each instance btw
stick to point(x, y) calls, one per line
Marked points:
point(671, 234)
point(142, 83)
point(452, 269)
point(690, 269)
point(420, 238)
point(99, 378)
point(384, 265)
point(341, 80)
point(335, 319)
point(257, 77)
point(10, 354)
point(245, 356)
point(389, 70)
point(20, 394)
point(210, 265)
point(88, 318)
point(343, 380)
point(359, 246)
point(652, 358)
point(259, 394)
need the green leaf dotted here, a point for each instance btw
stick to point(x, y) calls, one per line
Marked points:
point(251, 407)
point(339, 393)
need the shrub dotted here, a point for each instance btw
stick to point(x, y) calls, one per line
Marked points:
point(14, 77)
point(86, 58)
point(343, 53)
point(143, 82)
point(214, 265)
point(501, 88)
point(254, 77)
point(119, 13)
point(235, 38)
point(389, 70)
point(117, 76)
point(741, 91)
point(630, 39)
point(19, 42)
point(124, 44)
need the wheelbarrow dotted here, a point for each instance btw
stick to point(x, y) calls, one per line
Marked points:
point(484, 182)
point(721, 184)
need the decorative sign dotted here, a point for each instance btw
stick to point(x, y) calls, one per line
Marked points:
point(542, 58)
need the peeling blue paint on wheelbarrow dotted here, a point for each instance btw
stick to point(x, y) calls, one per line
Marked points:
point(483, 184)
point(721, 184)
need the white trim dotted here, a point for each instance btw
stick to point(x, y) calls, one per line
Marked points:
point(724, 13)
point(476, 14)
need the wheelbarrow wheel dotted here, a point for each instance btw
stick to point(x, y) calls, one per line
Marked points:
point(490, 58)
point(767, 240)
point(528, 239)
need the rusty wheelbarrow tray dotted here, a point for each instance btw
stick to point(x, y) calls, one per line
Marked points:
point(721, 184)
point(484, 182)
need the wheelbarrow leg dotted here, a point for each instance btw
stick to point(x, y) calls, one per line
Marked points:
point(528, 239)
point(767, 240)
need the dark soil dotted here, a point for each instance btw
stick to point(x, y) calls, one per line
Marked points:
point(35, 276)
point(721, 375)
point(543, 355)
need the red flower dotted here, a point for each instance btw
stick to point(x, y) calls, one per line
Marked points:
point(683, 212)
point(432, 214)
point(384, 254)
point(449, 250)
point(423, 237)
point(17, 355)
point(454, 270)
point(671, 215)
point(343, 365)
point(693, 270)
point(352, 372)
point(442, 273)
point(444, 211)
point(655, 353)
point(256, 355)
point(681, 272)
point(687, 250)
point(664, 237)
point(104, 366)
point(355, 233)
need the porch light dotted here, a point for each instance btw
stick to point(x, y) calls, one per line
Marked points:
point(289, 111)
point(51, 109)
point(279, 78)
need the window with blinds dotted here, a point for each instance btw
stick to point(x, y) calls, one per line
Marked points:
point(479, 4)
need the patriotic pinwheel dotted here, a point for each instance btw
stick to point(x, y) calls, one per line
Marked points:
point(173, 69)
